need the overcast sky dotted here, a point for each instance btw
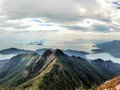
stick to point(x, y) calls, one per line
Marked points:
point(59, 22)
point(96, 16)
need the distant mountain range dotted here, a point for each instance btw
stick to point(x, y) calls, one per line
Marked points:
point(54, 70)
point(112, 47)
point(41, 51)
point(76, 53)
point(15, 51)
point(35, 43)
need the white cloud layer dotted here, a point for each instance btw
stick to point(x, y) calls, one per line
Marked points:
point(82, 15)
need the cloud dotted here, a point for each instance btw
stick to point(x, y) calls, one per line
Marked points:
point(116, 3)
point(102, 28)
point(27, 24)
point(37, 20)
point(73, 27)
point(82, 15)
point(50, 9)
point(54, 10)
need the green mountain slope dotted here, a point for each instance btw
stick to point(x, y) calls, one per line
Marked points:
point(11, 72)
point(54, 70)
point(61, 72)
point(108, 68)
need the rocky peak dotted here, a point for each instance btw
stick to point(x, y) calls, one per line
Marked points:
point(47, 53)
point(58, 52)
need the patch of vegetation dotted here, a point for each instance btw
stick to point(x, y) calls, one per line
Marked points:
point(1, 88)
point(111, 84)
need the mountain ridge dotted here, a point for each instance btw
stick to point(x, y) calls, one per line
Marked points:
point(54, 70)
point(60, 64)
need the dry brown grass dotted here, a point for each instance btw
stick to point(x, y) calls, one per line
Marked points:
point(110, 84)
